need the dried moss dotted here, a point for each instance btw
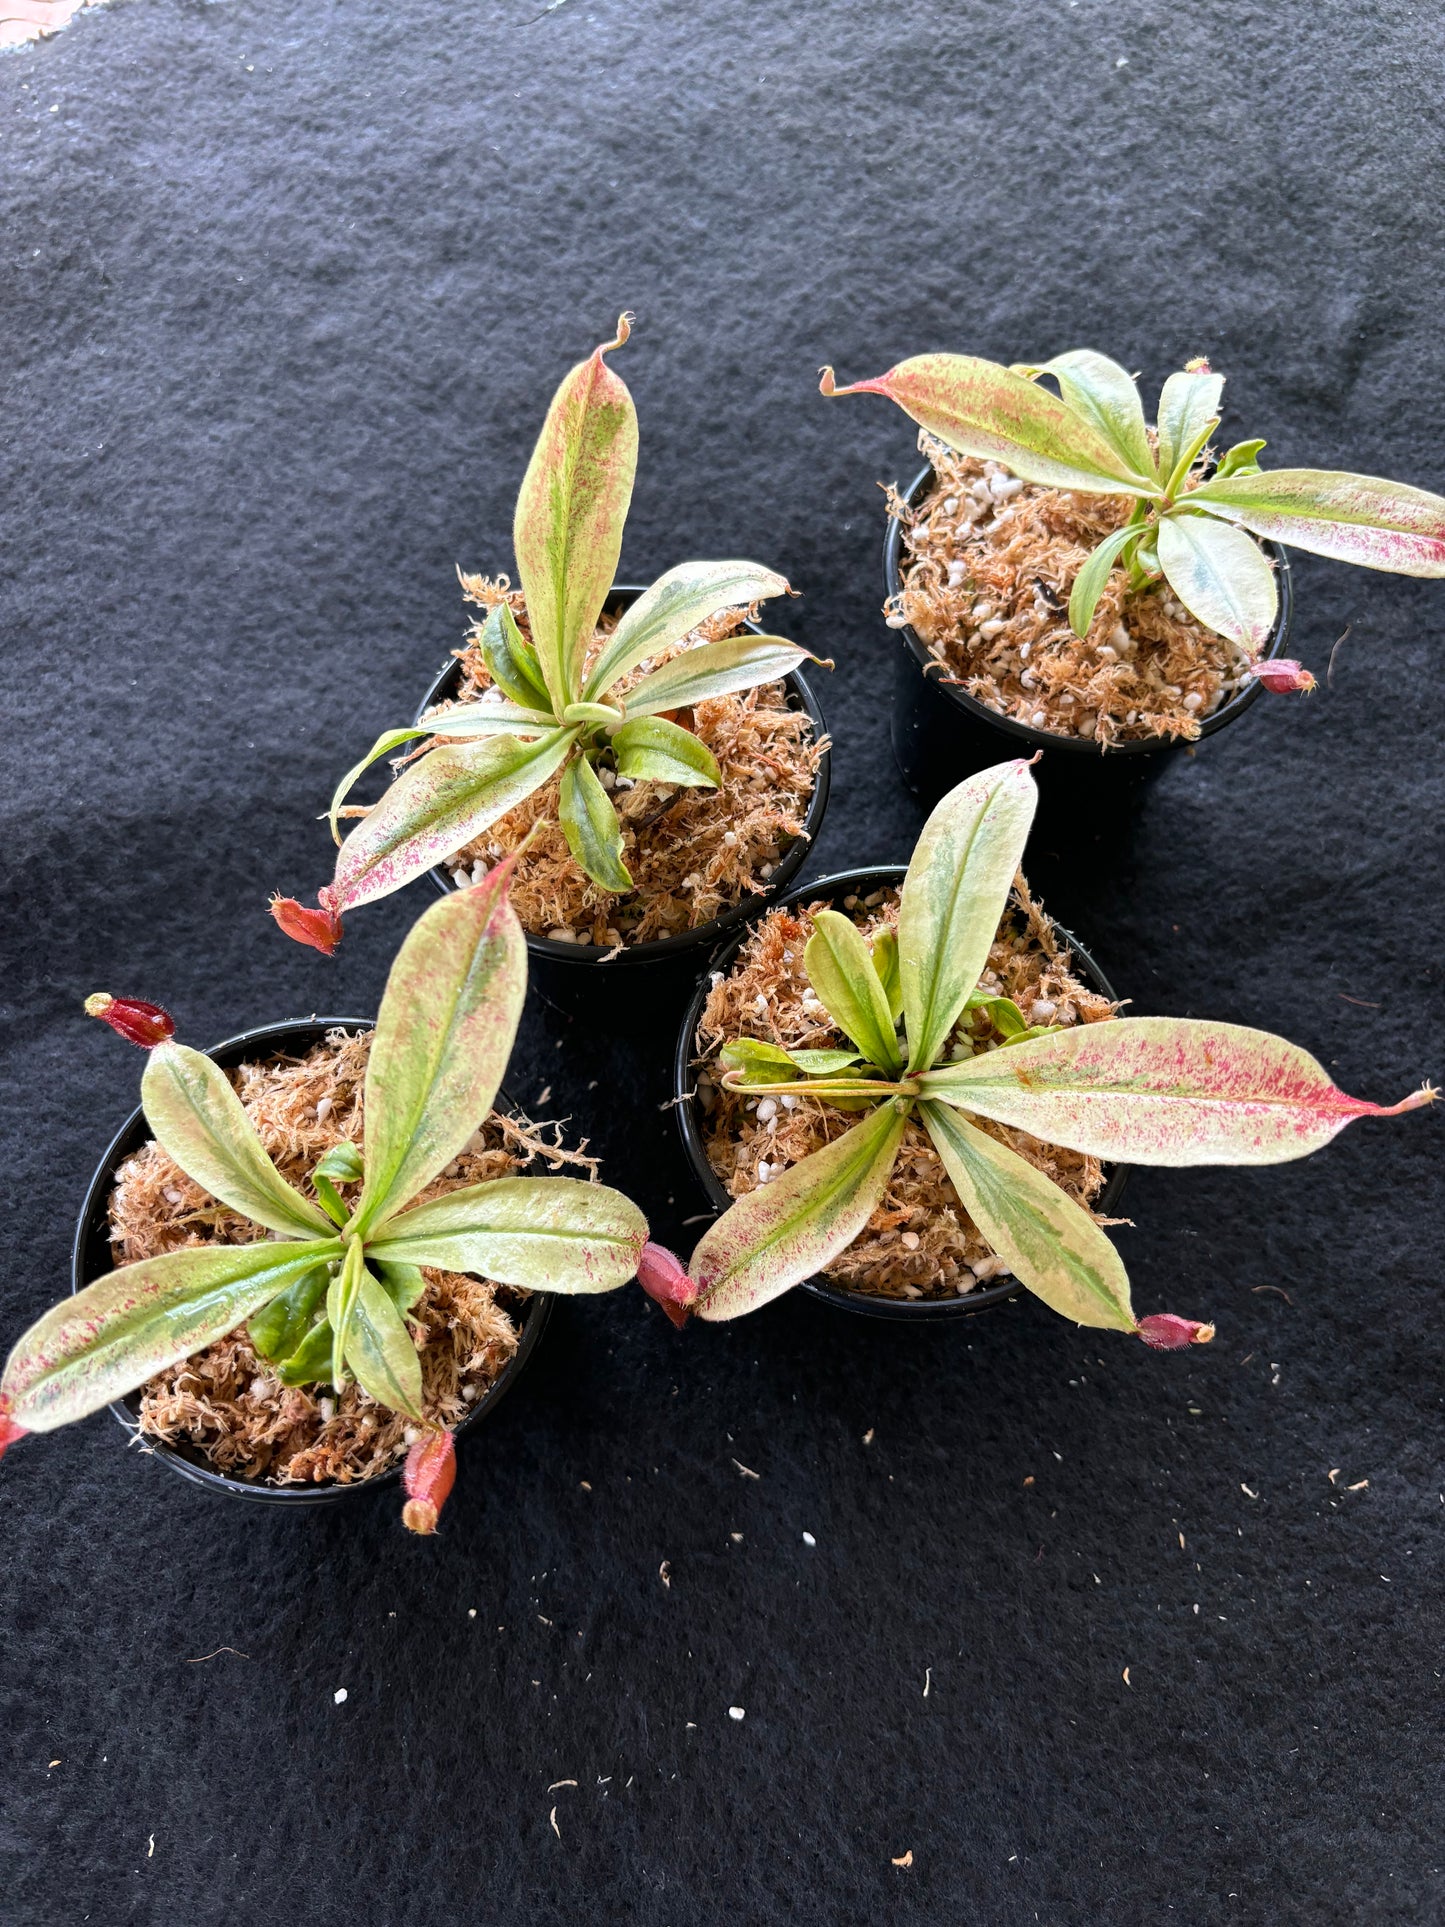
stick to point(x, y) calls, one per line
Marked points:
point(225, 1402)
point(920, 1242)
point(988, 564)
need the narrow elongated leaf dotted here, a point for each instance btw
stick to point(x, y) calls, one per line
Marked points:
point(512, 661)
point(783, 1232)
point(1161, 1090)
point(1107, 396)
point(380, 1352)
point(1049, 1243)
point(200, 1121)
point(443, 1037)
point(342, 1292)
point(1354, 518)
point(1089, 582)
point(278, 1328)
point(466, 721)
point(885, 962)
point(568, 527)
point(675, 604)
point(438, 806)
point(987, 411)
point(715, 669)
point(840, 969)
point(1221, 575)
point(747, 1061)
point(1188, 402)
point(954, 894)
point(591, 826)
point(110, 1338)
point(651, 750)
point(313, 1360)
point(543, 1234)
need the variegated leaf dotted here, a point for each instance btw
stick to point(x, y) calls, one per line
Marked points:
point(954, 894)
point(590, 824)
point(1107, 397)
point(110, 1338)
point(1221, 575)
point(840, 969)
point(652, 750)
point(1353, 518)
point(675, 604)
point(715, 669)
point(512, 661)
point(543, 1234)
point(465, 722)
point(1049, 1243)
point(791, 1227)
point(199, 1120)
point(1161, 1090)
point(568, 526)
point(380, 1350)
point(1188, 405)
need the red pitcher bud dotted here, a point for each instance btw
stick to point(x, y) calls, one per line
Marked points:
point(137, 1022)
point(427, 1477)
point(320, 928)
point(9, 1430)
point(1284, 676)
point(1162, 1331)
point(664, 1279)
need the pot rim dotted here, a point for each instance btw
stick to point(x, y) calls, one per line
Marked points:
point(870, 1305)
point(94, 1217)
point(705, 935)
point(1025, 733)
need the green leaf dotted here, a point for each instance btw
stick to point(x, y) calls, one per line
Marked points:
point(568, 526)
point(885, 962)
point(1160, 1090)
point(822, 1063)
point(436, 807)
point(278, 1328)
point(542, 1234)
point(403, 1283)
point(1050, 1243)
point(1107, 397)
point(342, 1292)
point(200, 1121)
point(955, 892)
point(1188, 407)
point(476, 720)
point(110, 1338)
point(1188, 456)
point(592, 715)
point(653, 751)
point(1352, 518)
point(791, 1227)
point(1221, 575)
point(313, 1359)
point(342, 1164)
point(1242, 459)
point(987, 411)
point(380, 1351)
point(715, 669)
point(512, 661)
point(750, 1060)
point(443, 1037)
point(591, 826)
point(1089, 582)
point(675, 604)
point(1003, 1013)
point(840, 969)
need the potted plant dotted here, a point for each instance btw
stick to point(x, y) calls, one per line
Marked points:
point(343, 1289)
point(662, 766)
point(1066, 577)
point(929, 1093)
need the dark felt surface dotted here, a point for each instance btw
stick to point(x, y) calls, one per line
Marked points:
point(284, 294)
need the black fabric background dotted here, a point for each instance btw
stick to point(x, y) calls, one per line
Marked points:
point(284, 293)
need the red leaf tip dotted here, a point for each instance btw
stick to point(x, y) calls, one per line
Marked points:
point(664, 1278)
point(1163, 1331)
point(321, 928)
point(1285, 677)
point(427, 1477)
point(137, 1022)
point(9, 1430)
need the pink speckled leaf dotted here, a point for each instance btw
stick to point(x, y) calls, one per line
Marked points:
point(436, 807)
point(568, 526)
point(1354, 518)
point(130, 1324)
point(1161, 1090)
point(987, 411)
point(543, 1234)
point(675, 604)
point(783, 1232)
point(443, 1036)
point(1050, 1243)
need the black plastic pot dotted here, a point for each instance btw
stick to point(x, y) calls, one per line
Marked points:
point(582, 978)
point(942, 734)
point(93, 1257)
point(832, 890)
